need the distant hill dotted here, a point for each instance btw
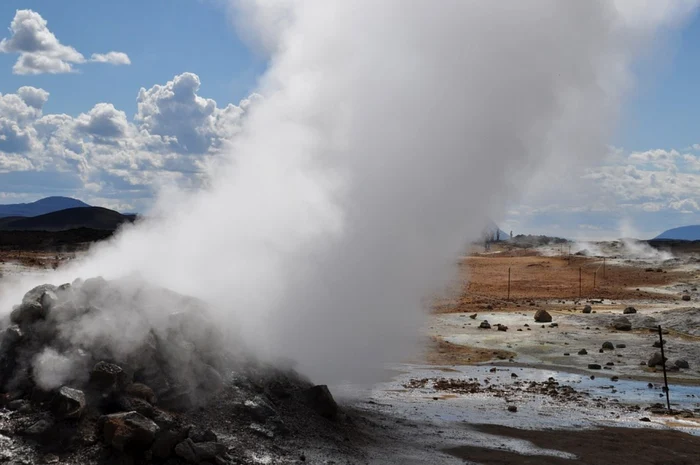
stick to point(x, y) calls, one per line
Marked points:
point(71, 218)
point(40, 207)
point(684, 233)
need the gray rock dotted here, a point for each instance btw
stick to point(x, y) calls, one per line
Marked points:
point(685, 297)
point(622, 324)
point(69, 403)
point(28, 313)
point(38, 428)
point(36, 294)
point(165, 442)
point(184, 450)
point(656, 359)
point(319, 398)
point(473, 316)
point(583, 352)
point(629, 310)
point(485, 325)
point(108, 376)
point(680, 363)
point(502, 327)
point(594, 366)
point(141, 391)
point(586, 309)
point(608, 346)
point(129, 431)
point(202, 435)
point(542, 316)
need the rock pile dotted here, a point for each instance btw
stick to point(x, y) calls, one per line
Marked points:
point(111, 363)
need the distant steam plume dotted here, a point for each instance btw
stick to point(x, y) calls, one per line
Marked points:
point(389, 131)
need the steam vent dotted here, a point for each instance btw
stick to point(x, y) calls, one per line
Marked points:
point(110, 372)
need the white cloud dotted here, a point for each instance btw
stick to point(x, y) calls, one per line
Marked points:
point(101, 154)
point(114, 58)
point(41, 52)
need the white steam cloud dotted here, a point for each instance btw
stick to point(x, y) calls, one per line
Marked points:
point(389, 132)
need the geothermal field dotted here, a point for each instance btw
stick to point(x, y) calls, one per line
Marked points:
point(553, 369)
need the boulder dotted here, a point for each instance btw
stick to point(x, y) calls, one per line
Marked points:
point(622, 324)
point(583, 352)
point(27, 313)
point(629, 310)
point(485, 325)
point(473, 316)
point(202, 435)
point(608, 346)
point(680, 363)
point(656, 359)
point(129, 431)
point(36, 294)
point(165, 442)
point(586, 309)
point(502, 327)
point(141, 391)
point(685, 297)
point(69, 403)
point(542, 316)
point(319, 398)
point(108, 376)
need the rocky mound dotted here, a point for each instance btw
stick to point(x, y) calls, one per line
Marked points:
point(98, 371)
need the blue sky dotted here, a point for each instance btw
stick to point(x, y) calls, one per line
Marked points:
point(92, 133)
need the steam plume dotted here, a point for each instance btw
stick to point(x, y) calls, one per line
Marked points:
point(388, 132)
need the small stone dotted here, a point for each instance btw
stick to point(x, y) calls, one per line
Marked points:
point(608, 345)
point(685, 297)
point(502, 327)
point(680, 363)
point(622, 324)
point(554, 325)
point(69, 403)
point(645, 419)
point(657, 344)
point(629, 311)
point(615, 378)
point(567, 354)
point(542, 316)
point(656, 359)
point(38, 428)
point(108, 376)
point(129, 431)
point(473, 316)
point(485, 325)
point(583, 352)
point(512, 408)
point(594, 366)
point(586, 309)
point(620, 346)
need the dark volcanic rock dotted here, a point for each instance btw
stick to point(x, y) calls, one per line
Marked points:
point(608, 346)
point(685, 297)
point(542, 316)
point(165, 442)
point(108, 376)
point(69, 403)
point(260, 409)
point(680, 363)
point(586, 309)
point(36, 294)
point(129, 431)
point(629, 310)
point(656, 359)
point(485, 325)
point(583, 352)
point(622, 324)
point(320, 399)
point(594, 366)
point(27, 313)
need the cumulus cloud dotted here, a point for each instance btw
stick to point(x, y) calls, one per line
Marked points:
point(41, 52)
point(104, 155)
point(114, 58)
point(191, 123)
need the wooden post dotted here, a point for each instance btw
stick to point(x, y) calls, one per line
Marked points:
point(508, 284)
point(580, 283)
point(663, 363)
